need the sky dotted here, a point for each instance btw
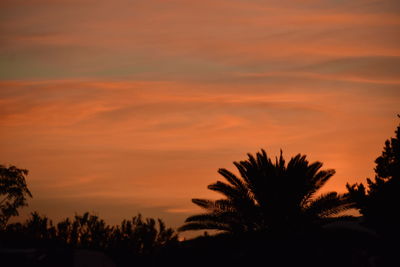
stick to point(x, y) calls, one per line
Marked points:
point(127, 106)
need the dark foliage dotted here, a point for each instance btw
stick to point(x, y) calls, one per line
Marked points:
point(379, 200)
point(269, 196)
point(13, 192)
point(133, 241)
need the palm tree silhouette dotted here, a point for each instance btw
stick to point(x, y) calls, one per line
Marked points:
point(269, 196)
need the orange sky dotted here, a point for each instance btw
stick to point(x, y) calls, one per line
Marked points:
point(128, 106)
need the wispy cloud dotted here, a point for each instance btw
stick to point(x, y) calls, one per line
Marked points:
point(140, 102)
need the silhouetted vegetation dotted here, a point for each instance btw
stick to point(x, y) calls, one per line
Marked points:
point(379, 200)
point(135, 240)
point(271, 215)
point(269, 196)
point(13, 192)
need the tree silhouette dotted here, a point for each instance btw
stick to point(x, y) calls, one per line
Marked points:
point(84, 231)
point(39, 227)
point(269, 196)
point(142, 236)
point(379, 201)
point(13, 192)
point(138, 235)
point(136, 241)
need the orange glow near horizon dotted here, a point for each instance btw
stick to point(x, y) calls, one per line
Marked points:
point(132, 106)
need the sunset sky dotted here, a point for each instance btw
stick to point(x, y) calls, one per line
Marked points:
point(128, 106)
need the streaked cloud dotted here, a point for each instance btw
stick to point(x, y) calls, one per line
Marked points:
point(133, 105)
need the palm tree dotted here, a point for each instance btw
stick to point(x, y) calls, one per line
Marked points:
point(268, 196)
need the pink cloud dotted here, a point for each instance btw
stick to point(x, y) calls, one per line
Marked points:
point(140, 102)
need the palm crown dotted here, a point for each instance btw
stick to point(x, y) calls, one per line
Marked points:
point(268, 196)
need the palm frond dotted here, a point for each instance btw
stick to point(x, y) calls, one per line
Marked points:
point(233, 179)
point(229, 191)
point(316, 182)
point(204, 226)
point(204, 203)
point(328, 204)
point(219, 217)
